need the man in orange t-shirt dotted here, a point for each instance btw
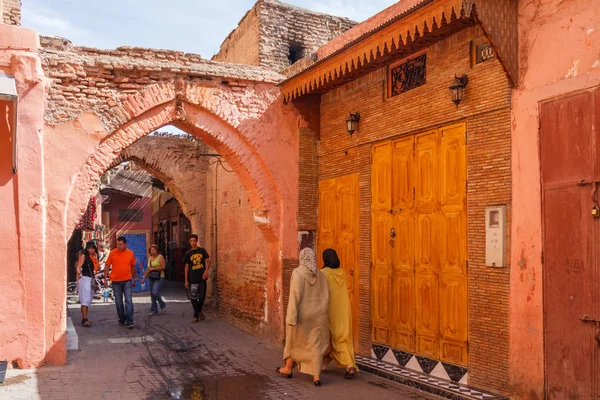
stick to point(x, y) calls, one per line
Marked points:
point(121, 263)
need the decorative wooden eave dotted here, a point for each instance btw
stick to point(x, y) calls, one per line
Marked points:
point(405, 34)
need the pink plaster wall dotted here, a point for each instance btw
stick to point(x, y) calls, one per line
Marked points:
point(559, 47)
point(121, 201)
point(23, 311)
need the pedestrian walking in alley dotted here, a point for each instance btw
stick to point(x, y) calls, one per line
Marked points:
point(87, 265)
point(307, 321)
point(156, 275)
point(121, 264)
point(197, 264)
point(340, 315)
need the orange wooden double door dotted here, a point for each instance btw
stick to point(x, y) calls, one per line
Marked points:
point(338, 229)
point(419, 244)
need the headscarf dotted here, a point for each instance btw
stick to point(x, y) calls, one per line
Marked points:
point(330, 259)
point(308, 260)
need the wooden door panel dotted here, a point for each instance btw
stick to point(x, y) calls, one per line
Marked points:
point(381, 298)
point(570, 247)
point(425, 174)
point(404, 242)
point(326, 237)
point(453, 318)
point(403, 175)
point(381, 177)
point(427, 317)
point(425, 243)
point(569, 293)
point(347, 232)
point(453, 168)
point(453, 257)
point(381, 254)
point(403, 295)
point(567, 140)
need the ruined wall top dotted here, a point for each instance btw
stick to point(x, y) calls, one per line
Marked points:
point(275, 35)
point(85, 79)
point(11, 12)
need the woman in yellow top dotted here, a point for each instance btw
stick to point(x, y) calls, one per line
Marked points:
point(340, 315)
point(156, 275)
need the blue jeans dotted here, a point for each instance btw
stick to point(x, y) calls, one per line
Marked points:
point(123, 288)
point(155, 285)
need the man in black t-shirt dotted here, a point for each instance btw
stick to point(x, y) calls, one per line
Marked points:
point(197, 263)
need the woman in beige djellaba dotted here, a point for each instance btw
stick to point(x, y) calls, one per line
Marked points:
point(307, 320)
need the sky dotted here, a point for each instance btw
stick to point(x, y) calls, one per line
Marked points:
point(193, 26)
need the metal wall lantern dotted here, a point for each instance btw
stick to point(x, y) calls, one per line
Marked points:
point(352, 123)
point(457, 88)
point(8, 93)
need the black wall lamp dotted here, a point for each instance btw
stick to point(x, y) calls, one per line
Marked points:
point(457, 88)
point(352, 123)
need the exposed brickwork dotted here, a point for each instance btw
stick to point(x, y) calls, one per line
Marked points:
point(242, 45)
point(11, 11)
point(86, 79)
point(486, 109)
point(271, 27)
point(489, 183)
point(175, 161)
point(308, 181)
point(242, 256)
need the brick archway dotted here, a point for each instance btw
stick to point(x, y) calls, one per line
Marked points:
point(99, 103)
point(162, 105)
point(173, 160)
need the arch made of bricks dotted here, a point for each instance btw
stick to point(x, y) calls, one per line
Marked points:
point(161, 105)
point(157, 172)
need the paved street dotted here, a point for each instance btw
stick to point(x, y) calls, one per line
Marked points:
point(167, 357)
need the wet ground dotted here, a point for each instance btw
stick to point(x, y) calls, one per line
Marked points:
point(167, 357)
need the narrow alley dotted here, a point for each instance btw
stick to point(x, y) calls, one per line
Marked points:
point(167, 357)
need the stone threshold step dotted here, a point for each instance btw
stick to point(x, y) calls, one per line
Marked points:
point(427, 383)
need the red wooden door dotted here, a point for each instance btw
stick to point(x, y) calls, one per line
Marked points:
point(570, 175)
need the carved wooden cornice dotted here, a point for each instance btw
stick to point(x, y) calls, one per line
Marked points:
point(406, 34)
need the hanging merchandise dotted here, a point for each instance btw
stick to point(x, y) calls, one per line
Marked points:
point(89, 217)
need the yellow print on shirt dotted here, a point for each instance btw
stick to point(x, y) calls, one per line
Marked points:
point(196, 260)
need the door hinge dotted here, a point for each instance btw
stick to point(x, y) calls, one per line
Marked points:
point(542, 256)
point(414, 193)
point(467, 267)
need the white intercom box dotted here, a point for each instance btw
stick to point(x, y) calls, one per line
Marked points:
point(495, 236)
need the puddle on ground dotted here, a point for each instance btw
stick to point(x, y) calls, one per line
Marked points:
point(15, 380)
point(248, 387)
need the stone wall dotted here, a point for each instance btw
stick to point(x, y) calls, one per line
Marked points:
point(486, 110)
point(274, 30)
point(11, 11)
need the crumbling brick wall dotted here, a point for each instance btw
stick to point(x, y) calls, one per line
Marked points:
point(85, 79)
point(277, 32)
point(11, 11)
